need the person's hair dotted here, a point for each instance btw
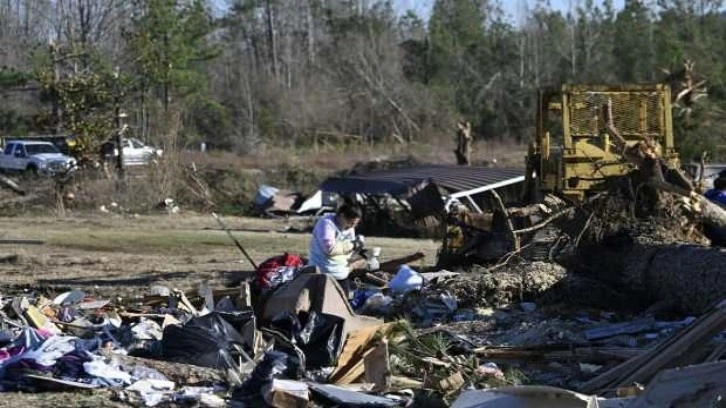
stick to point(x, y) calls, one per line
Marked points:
point(720, 183)
point(350, 209)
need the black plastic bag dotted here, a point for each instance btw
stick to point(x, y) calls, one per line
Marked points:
point(204, 341)
point(319, 336)
point(321, 339)
point(272, 366)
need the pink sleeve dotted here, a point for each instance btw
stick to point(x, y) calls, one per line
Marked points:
point(324, 233)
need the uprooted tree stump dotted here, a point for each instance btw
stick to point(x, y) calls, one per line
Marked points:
point(648, 243)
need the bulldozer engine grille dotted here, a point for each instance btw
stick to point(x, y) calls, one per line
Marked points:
point(586, 113)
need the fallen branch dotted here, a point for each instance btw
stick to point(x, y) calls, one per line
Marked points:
point(510, 227)
point(544, 223)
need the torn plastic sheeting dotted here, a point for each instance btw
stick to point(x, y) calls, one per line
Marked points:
point(237, 318)
point(272, 365)
point(524, 397)
point(317, 335)
point(98, 368)
point(146, 330)
point(205, 341)
point(349, 398)
point(69, 298)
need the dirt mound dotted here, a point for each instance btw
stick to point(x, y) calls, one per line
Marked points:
point(516, 283)
point(642, 214)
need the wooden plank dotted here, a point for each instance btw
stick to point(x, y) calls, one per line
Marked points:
point(401, 383)
point(356, 344)
point(352, 373)
point(684, 344)
point(447, 385)
point(393, 265)
point(378, 367)
point(717, 353)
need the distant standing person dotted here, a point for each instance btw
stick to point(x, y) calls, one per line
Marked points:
point(334, 241)
point(108, 154)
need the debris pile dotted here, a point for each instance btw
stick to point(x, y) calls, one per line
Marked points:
point(416, 338)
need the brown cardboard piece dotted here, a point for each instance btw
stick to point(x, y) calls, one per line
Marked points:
point(323, 295)
point(378, 367)
point(286, 394)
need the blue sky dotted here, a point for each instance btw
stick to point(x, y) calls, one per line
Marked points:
point(511, 7)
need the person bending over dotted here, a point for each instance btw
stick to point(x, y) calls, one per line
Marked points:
point(334, 242)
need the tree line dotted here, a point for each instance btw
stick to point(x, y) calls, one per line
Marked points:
point(243, 74)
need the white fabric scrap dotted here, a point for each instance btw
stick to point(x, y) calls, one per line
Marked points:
point(152, 391)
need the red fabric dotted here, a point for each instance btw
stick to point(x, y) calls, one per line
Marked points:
point(269, 268)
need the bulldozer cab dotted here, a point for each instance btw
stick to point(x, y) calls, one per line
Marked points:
point(572, 153)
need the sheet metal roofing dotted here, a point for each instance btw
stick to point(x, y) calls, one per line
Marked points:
point(400, 181)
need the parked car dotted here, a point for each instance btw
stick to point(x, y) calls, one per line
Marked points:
point(135, 152)
point(35, 157)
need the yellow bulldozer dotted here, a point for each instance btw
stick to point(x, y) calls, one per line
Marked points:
point(581, 133)
point(573, 153)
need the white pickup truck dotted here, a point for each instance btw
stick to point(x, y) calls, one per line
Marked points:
point(35, 157)
point(135, 152)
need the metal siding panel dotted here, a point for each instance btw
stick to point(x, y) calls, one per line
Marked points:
point(399, 181)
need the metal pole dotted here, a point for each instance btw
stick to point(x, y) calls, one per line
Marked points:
point(241, 248)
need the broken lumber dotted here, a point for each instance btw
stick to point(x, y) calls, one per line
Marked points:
point(393, 265)
point(684, 348)
point(695, 386)
point(579, 354)
point(615, 329)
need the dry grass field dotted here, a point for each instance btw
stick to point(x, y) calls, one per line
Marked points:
point(124, 255)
